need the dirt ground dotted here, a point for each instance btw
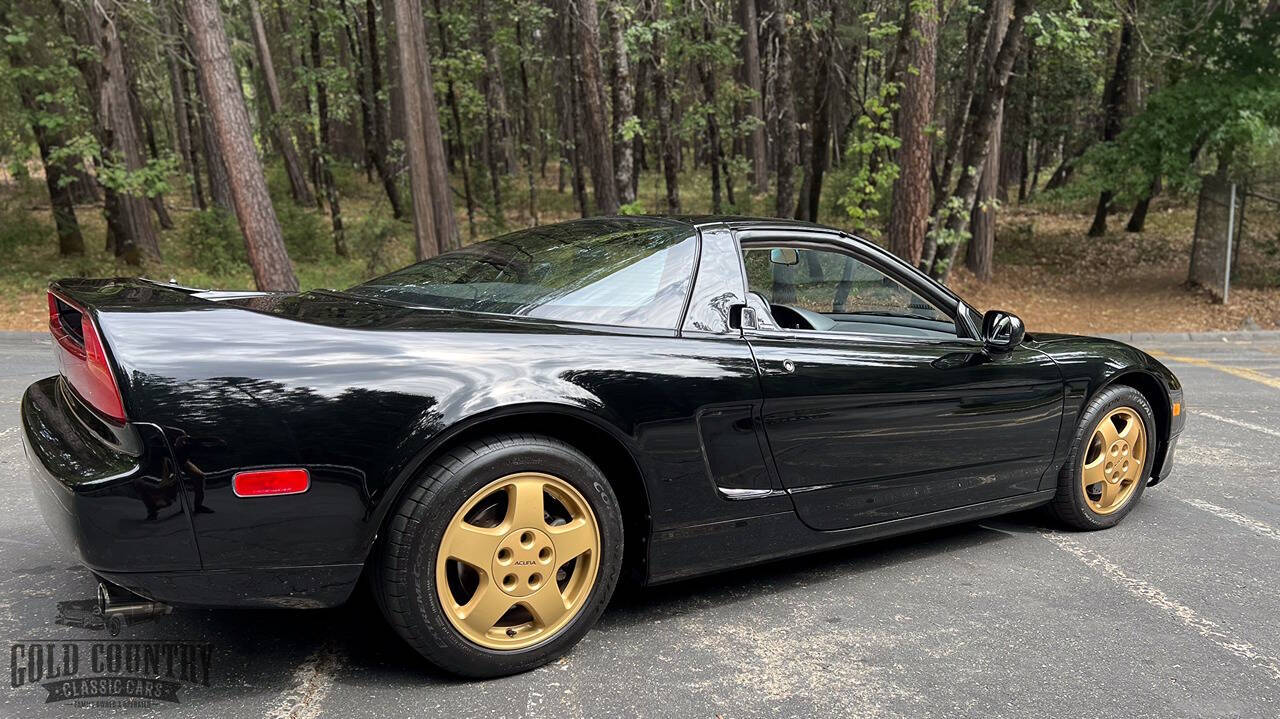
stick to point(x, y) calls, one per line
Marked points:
point(1058, 280)
point(1047, 271)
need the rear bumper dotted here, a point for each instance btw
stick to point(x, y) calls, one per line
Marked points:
point(110, 497)
point(113, 498)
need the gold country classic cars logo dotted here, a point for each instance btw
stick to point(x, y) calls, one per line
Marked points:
point(110, 673)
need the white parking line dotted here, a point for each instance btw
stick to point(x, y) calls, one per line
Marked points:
point(1262, 528)
point(312, 681)
point(1156, 598)
point(1238, 423)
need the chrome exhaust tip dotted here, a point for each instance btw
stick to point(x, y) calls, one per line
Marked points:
point(120, 607)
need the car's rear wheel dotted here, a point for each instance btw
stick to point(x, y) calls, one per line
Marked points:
point(1110, 460)
point(502, 556)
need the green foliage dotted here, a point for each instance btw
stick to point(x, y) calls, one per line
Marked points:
point(377, 238)
point(213, 242)
point(1223, 102)
point(868, 180)
point(19, 228)
point(306, 235)
point(945, 236)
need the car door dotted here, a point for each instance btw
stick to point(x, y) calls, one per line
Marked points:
point(888, 409)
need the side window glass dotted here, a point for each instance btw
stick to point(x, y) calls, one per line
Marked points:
point(833, 291)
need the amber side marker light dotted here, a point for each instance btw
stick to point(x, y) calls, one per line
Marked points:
point(1177, 408)
point(270, 482)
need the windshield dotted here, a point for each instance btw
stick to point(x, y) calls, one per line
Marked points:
point(626, 272)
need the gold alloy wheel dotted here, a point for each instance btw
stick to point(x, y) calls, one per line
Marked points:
point(518, 561)
point(1113, 460)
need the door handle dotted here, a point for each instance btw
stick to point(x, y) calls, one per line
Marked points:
point(788, 367)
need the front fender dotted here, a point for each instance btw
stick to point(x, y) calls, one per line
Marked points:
point(1090, 365)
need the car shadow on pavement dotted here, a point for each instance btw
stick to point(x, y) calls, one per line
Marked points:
point(275, 642)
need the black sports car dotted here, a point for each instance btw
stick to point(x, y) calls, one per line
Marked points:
point(495, 436)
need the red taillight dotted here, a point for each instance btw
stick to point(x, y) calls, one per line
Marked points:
point(267, 482)
point(83, 359)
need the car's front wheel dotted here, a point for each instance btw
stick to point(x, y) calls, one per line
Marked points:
point(501, 556)
point(1110, 460)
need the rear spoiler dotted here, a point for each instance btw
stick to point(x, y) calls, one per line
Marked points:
point(132, 293)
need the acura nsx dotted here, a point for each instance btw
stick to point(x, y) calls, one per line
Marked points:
point(495, 437)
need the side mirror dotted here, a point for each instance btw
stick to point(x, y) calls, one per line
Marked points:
point(1002, 331)
point(784, 256)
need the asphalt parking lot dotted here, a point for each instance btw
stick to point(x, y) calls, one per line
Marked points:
point(1173, 613)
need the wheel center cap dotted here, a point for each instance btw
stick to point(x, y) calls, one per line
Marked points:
point(523, 562)
point(1119, 463)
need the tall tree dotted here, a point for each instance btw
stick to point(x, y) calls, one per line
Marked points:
point(1114, 100)
point(230, 119)
point(48, 122)
point(751, 74)
point(587, 25)
point(977, 140)
point(980, 256)
point(415, 81)
point(909, 209)
point(662, 100)
point(785, 148)
point(279, 132)
point(624, 105)
point(497, 135)
point(378, 149)
point(324, 142)
point(128, 212)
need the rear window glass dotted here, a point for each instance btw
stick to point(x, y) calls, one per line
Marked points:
point(617, 272)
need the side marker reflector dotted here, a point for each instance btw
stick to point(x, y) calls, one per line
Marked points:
point(1177, 408)
point(270, 482)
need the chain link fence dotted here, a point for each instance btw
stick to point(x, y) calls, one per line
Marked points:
point(1237, 236)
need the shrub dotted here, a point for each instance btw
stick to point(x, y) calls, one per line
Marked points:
point(305, 235)
point(20, 227)
point(278, 184)
point(213, 242)
point(379, 239)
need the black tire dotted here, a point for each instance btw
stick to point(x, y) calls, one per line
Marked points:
point(1069, 503)
point(404, 576)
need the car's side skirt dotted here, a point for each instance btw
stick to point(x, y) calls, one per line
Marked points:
point(718, 546)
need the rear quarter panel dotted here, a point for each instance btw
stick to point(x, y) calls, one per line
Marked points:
point(362, 398)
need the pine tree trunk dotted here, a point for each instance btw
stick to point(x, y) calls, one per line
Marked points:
point(786, 145)
point(980, 255)
point(1138, 220)
point(910, 206)
point(820, 120)
point(587, 26)
point(624, 107)
point(437, 164)
point(451, 97)
point(496, 129)
point(324, 142)
point(662, 99)
point(129, 216)
point(177, 89)
point(283, 140)
point(411, 48)
point(379, 149)
point(230, 118)
point(530, 125)
point(1115, 100)
point(978, 133)
point(751, 74)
